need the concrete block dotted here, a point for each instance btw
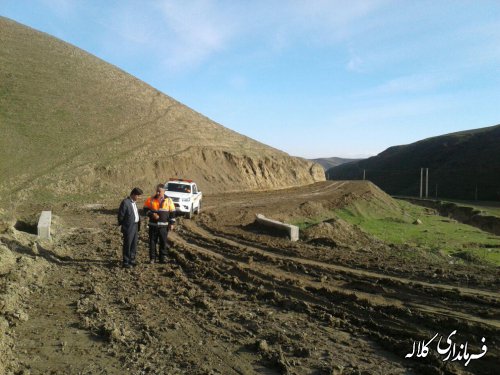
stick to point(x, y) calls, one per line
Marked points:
point(44, 225)
point(292, 230)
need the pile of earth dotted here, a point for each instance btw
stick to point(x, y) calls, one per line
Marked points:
point(336, 232)
point(22, 273)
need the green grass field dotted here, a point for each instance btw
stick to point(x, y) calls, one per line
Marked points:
point(436, 234)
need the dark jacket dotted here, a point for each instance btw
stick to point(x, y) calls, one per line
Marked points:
point(126, 216)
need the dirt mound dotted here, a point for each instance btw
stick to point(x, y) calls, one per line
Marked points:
point(335, 232)
point(370, 201)
point(310, 209)
point(361, 198)
point(22, 273)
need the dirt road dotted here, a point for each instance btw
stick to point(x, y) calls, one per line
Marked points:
point(234, 299)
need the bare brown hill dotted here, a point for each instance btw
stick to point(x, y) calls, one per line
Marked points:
point(74, 127)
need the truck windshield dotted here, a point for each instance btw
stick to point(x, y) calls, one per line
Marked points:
point(180, 188)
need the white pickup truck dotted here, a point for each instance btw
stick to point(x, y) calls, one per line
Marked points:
point(185, 194)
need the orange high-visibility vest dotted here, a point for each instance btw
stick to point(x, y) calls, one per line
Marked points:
point(153, 203)
point(164, 208)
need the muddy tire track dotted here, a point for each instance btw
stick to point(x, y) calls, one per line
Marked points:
point(383, 307)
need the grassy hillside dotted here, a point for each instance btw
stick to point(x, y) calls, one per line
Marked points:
point(75, 126)
point(328, 163)
point(464, 165)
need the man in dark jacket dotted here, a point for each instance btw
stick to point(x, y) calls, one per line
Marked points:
point(129, 220)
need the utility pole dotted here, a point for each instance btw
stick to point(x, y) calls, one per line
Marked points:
point(364, 174)
point(421, 181)
point(436, 191)
point(475, 194)
point(426, 182)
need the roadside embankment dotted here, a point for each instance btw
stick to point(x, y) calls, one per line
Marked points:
point(463, 214)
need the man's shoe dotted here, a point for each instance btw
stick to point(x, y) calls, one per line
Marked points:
point(163, 261)
point(152, 261)
point(126, 265)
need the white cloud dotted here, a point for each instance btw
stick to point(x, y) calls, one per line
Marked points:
point(414, 83)
point(484, 43)
point(62, 8)
point(355, 64)
point(381, 113)
point(176, 34)
point(335, 20)
point(132, 28)
point(186, 34)
point(199, 29)
point(238, 82)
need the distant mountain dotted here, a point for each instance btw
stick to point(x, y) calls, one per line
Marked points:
point(328, 163)
point(463, 165)
point(74, 126)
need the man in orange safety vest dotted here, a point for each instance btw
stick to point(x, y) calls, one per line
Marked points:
point(161, 212)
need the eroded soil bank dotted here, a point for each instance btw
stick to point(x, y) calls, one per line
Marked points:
point(463, 214)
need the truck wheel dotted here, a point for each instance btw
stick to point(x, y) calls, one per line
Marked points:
point(199, 208)
point(190, 213)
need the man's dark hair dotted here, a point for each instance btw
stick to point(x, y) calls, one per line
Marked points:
point(136, 191)
point(160, 186)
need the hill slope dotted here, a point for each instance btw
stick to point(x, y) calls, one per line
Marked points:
point(73, 124)
point(462, 165)
point(328, 163)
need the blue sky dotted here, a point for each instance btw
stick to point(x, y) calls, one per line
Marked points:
point(313, 78)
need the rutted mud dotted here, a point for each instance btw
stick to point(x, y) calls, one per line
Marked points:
point(232, 300)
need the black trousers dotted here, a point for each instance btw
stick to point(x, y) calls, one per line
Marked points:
point(130, 245)
point(158, 234)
